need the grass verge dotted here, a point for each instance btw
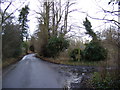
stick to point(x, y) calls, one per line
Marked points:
point(9, 61)
point(67, 61)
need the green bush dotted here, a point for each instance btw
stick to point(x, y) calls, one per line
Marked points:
point(74, 54)
point(31, 48)
point(94, 52)
point(107, 82)
point(25, 47)
point(55, 45)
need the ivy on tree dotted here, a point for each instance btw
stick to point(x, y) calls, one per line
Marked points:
point(88, 27)
point(93, 51)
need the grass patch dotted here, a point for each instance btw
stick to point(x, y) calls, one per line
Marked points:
point(108, 81)
point(10, 61)
point(85, 63)
point(67, 61)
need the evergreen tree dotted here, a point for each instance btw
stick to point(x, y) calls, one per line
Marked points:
point(23, 21)
point(88, 27)
point(11, 41)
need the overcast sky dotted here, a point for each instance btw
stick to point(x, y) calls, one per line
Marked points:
point(91, 7)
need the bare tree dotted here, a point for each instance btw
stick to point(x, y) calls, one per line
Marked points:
point(55, 17)
point(53, 20)
point(8, 4)
point(112, 34)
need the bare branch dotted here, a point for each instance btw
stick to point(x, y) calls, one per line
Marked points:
point(4, 12)
point(110, 20)
point(7, 8)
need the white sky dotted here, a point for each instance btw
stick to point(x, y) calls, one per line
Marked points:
point(92, 7)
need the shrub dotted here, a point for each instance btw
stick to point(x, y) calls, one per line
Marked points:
point(74, 54)
point(25, 47)
point(107, 82)
point(55, 45)
point(31, 48)
point(94, 52)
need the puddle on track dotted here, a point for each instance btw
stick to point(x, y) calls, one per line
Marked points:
point(73, 75)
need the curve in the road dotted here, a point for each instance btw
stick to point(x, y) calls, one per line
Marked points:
point(32, 72)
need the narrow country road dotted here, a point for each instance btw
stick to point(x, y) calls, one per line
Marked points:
point(32, 72)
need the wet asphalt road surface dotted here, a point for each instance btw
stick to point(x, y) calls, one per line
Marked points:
point(32, 72)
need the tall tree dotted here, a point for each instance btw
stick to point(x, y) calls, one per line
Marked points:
point(54, 16)
point(6, 5)
point(116, 22)
point(53, 21)
point(88, 27)
point(23, 22)
point(11, 40)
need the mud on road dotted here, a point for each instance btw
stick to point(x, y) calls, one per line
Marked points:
point(74, 76)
